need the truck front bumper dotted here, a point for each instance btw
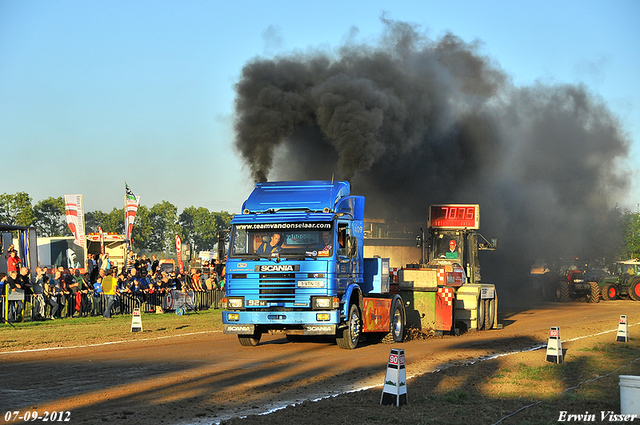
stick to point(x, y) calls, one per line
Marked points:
point(305, 321)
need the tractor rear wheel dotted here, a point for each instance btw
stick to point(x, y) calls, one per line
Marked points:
point(594, 295)
point(563, 292)
point(634, 290)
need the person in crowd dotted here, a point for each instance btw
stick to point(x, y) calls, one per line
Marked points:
point(54, 291)
point(13, 261)
point(91, 265)
point(83, 303)
point(110, 290)
point(97, 295)
point(195, 280)
point(38, 294)
point(15, 307)
point(3, 280)
point(95, 268)
point(71, 286)
point(212, 281)
point(104, 262)
point(154, 264)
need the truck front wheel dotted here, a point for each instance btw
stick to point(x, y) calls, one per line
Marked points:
point(250, 340)
point(348, 337)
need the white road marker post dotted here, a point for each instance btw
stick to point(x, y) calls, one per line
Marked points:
point(136, 321)
point(623, 330)
point(395, 381)
point(554, 346)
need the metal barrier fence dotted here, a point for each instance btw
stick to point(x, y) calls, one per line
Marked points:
point(90, 305)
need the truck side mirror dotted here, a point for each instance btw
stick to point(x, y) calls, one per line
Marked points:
point(494, 243)
point(419, 241)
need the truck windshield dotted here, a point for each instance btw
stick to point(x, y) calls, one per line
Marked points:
point(297, 239)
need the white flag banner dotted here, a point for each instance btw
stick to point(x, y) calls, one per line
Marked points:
point(74, 211)
point(131, 203)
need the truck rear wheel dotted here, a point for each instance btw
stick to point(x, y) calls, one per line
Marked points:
point(634, 290)
point(348, 337)
point(563, 292)
point(250, 340)
point(609, 292)
point(396, 333)
point(594, 294)
point(489, 313)
point(480, 314)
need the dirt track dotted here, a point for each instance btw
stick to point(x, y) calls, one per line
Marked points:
point(209, 377)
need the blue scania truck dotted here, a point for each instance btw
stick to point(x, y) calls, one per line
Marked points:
point(295, 266)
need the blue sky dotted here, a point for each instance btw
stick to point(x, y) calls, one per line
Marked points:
point(93, 93)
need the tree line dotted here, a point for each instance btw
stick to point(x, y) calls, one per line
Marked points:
point(154, 229)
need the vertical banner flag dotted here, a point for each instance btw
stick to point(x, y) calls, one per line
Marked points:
point(74, 210)
point(179, 253)
point(131, 203)
point(101, 239)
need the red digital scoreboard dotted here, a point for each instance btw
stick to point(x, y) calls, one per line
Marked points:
point(454, 216)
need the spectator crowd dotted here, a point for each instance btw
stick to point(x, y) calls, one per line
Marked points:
point(104, 289)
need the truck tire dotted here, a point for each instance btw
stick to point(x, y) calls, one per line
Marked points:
point(634, 290)
point(594, 294)
point(489, 313)
point(348, 337)
point(563, 292)
point(396, 333)
point(480, 314)
point(250, 340)
point(609, 292)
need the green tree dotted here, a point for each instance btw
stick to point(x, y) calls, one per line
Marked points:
point(16, 209)
point(142, 229)
point(161, 221)
point(50, 219)
point(112, 222)
point(199, 227)
point(631, 247)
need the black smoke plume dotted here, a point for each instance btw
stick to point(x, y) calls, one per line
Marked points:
point(413, 121)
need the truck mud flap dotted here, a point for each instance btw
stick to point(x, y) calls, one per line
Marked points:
point(239, 329)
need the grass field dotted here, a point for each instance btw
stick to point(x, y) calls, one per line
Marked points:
point(94, 330)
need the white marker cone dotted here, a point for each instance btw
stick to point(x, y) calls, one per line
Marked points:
point(623, 330)
point(395, 382)
point(554, 346)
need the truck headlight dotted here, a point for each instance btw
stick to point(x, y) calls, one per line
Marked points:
point(321, 303)
point(235, 302)
point(233, 317)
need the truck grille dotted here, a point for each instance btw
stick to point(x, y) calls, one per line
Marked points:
point(278, 287)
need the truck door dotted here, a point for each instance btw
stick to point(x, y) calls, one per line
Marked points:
point(345, 258)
